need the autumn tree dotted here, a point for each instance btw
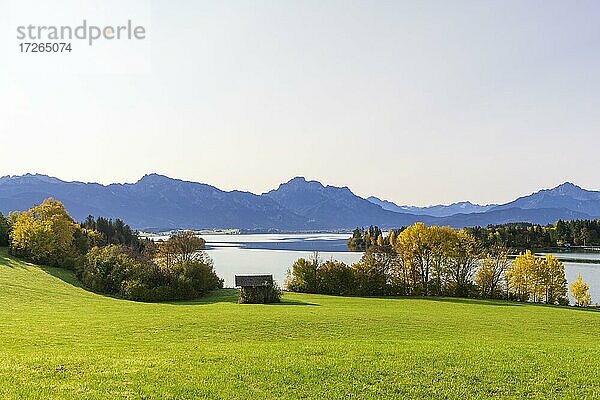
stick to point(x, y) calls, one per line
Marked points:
point(463, 258)
point(519, 276)
point(490, 274)
point(538, 280)
point(44, 234)
point(553, 284)
point(414, 244)
point(370, 275)
point(181, 247)
point(580, 291)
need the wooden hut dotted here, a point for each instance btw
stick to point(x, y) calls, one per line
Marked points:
point(257, 289)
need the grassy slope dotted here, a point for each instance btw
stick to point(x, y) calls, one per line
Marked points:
point(60, 341)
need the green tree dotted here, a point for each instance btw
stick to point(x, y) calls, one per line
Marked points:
point(4, 230)
point(335, 278)
point(303, 276)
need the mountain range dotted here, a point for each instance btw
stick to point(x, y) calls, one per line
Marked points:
point(158, 203)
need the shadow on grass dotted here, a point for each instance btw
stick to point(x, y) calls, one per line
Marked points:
point(64, 275)
point(8, 261)
point(285, 302)
point(231, 296)
point(481, 302)
point(217, 296)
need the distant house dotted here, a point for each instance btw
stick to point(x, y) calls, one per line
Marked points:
point(257, 289)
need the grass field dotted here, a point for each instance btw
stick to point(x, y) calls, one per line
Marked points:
point(59, 341)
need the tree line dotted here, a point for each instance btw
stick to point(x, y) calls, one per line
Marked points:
point(537, 237)
point(433, 261)
point(515, 236)
point(108, 257)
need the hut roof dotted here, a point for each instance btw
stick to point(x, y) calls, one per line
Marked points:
point(253, 280)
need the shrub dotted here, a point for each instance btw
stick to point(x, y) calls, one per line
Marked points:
point(303, 276)
point(336, 278)
point(110, 270)
point(104, 269)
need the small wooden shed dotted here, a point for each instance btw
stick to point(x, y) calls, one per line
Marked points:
point(246, 281)
point(257, 289)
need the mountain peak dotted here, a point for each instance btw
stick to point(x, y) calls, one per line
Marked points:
point(568, 189)
point(297, 179)
point(568, 185)
point(300, 183)
point(29, 178)
point(154, 178)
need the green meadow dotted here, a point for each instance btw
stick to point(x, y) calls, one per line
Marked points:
point(59, 341)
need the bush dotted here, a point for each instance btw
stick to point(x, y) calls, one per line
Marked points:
point(104, 269)
point(336, 278)
point(270, 293)
point(110, 270)
point(303, 276)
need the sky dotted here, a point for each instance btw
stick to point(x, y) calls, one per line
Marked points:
point(418, 102)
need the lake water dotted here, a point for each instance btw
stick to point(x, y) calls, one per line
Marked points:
point(275, 253)
point(272, 253)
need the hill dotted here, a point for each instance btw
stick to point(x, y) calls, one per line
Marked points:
point(60, 341)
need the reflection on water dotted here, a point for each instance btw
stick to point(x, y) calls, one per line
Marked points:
point(275, 254)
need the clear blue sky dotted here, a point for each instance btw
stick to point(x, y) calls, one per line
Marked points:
point(419, 102)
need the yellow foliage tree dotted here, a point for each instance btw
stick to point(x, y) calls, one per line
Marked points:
point(44, 234)
point(579, 290)
point(553, 284)
point(538, 280)
point(520, 276)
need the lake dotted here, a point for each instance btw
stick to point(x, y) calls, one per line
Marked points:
point(275, 253)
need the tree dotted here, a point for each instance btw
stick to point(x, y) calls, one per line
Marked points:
point(356, 242)
point(181, 247)
point(489, 276)
point(519, 276)
point(113, 232)
point(531, 278)
point(104, 269)
point(45, 234)
point(4, 229)
point(464, 258)
point(579, 290)
point(303, 276)
point(370, 274)
point(111, 270)
point(414, 244)
point(553, 282)
point(336, 278)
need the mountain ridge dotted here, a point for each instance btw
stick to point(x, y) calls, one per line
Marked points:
point(158, 202)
